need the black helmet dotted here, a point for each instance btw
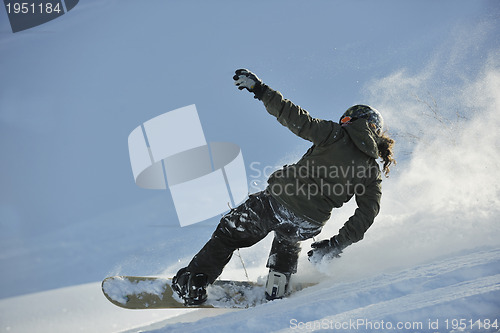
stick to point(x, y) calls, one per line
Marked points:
point(363, 111)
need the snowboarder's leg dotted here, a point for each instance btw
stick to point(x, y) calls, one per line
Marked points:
point(282, 263)
point(285, 250)
point(241, 227)
point(284, 255)
point(212, 258)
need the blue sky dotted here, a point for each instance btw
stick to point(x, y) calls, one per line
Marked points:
point(73, 89)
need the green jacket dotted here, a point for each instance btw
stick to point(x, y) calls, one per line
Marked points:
point(340, 164)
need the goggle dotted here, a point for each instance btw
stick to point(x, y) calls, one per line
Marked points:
point(347, 120)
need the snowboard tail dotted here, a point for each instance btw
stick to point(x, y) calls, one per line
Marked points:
point(134, 292)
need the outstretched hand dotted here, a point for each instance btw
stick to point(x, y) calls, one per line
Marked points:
point(244, 79)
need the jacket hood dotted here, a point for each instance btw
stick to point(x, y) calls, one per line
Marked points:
point(363, 137)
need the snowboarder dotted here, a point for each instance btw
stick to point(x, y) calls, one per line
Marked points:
point(299, 198)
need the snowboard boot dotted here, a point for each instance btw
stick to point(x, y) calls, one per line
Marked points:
point(276, 285)
point(190, 287)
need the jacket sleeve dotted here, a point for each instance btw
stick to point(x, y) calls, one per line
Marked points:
point(368, 207)
point(298, 120)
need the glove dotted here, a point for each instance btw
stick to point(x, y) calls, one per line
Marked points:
point(244, 79)
point(328, 249)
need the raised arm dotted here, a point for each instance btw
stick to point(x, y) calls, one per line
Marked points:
point(298, 120)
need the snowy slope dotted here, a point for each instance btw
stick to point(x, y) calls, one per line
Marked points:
point(73, 309)
point(463, 287)
point(425, 298)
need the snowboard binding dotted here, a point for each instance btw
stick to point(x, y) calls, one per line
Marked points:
point(190, 287)
point(276, 285)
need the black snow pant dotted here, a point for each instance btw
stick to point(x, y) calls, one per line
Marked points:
point(246, 225)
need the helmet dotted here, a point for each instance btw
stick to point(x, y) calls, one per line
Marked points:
point(363, 111)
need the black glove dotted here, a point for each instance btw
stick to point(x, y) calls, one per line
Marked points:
point(328, 248)
point(245, 79)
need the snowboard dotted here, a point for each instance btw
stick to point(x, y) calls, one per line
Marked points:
point(141, 292)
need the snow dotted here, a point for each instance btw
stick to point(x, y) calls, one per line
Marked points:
point(460, 287)
point(81, 308)
point(465, 287)
point(251, 296)
point(70, 214)
point(118, 287)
